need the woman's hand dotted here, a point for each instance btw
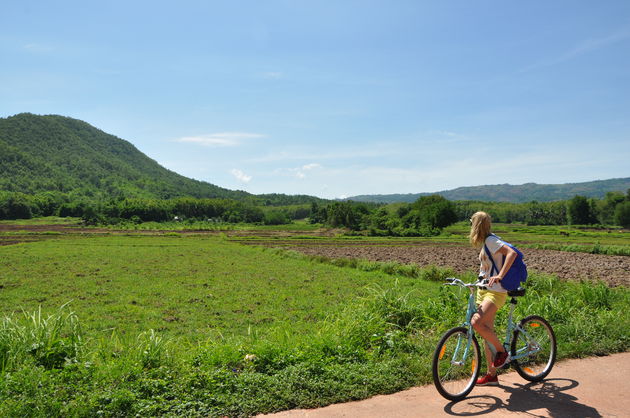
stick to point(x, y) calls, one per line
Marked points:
point(494, 279)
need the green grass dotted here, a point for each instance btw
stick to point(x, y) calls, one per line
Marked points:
point(193, 225)
point(178, 285)
point(557, 235)
point(202, 326)
point(47, 220)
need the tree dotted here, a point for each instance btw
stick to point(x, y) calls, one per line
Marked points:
point(435, 211)
point(580, 212)
point(16, 206)
point(622, 214)
point(606, 207)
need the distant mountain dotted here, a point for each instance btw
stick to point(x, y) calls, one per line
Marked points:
point(61, 154)
point(512, 193)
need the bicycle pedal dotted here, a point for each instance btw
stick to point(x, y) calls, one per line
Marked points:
point(506, 365)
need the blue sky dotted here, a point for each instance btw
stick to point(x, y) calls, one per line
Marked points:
point(336, 98)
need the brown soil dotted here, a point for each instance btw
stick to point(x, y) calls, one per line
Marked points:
point(614, 270)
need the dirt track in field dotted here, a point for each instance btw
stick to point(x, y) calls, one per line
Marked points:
point(614, 270)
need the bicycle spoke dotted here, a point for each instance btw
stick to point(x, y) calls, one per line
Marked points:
point(536, 341)
point(456, 364)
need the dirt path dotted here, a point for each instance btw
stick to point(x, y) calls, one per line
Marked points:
point(593, 387)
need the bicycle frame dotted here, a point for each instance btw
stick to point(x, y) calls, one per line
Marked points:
point(470, 311)
point(532, 346)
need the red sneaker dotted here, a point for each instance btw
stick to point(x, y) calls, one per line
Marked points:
point(501, 359)
point(488, 380)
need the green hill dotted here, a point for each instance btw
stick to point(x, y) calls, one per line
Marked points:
point(55, 153)
point(61, 154)
point(513, 193)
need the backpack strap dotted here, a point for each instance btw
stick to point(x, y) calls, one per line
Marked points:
point(494, 266)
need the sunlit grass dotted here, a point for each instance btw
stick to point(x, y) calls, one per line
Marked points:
point(182, 325)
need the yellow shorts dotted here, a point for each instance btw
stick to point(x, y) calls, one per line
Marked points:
point(498, 298)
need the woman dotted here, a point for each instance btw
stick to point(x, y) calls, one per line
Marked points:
point(491, 300)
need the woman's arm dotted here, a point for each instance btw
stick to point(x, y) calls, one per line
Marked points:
point(510, 256)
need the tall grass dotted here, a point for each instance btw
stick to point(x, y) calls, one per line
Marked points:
point(211, 328)
point(379, 343)
point(49, 341)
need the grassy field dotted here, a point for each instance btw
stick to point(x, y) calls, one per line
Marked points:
point(179, 285)
point(203, 326)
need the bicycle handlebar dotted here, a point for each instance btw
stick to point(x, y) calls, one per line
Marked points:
point(454, 281)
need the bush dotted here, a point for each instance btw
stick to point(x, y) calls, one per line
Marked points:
point(50, 342)
point(622, 214)
point(276, 217)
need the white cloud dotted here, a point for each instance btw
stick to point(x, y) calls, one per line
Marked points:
point(310, 166)
point(240, 176)
point(221, 139)
point(273, 75)
point(299, 172)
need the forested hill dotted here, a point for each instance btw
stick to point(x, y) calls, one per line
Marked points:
point(513, 193)
point(60, 154)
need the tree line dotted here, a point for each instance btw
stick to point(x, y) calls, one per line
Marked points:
point(424, 217)
point(16, 205)
point(430, 214)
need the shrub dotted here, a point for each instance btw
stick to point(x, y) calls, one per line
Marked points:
point(622, 214)
point(50, 342)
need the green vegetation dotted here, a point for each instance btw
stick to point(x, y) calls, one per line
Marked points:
point(58, 166)
point(430, 214)
point(60, 160)
point(201, 326)
point(425, 217)
point(512, 193)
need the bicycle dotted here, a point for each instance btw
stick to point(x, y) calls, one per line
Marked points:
point(457, 358)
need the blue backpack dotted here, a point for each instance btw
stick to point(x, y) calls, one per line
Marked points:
point(517, 273)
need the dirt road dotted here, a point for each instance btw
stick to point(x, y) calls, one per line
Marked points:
point(593, 387)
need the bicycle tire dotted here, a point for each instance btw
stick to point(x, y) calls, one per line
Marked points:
point(537, 366)
point(455, 381)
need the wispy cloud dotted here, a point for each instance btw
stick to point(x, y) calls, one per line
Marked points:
point(221, 139)
point(273, 75)
point(310, 166)
point(38, 48)
point(240, 176)
point(300, 172)
point(584, 47)
point(339, 153)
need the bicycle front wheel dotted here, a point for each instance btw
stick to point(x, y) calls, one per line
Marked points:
point(456, 363)
point(534, 338)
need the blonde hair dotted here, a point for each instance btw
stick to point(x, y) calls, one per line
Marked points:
point(480, 224)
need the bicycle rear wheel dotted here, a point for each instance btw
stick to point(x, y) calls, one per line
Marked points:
point(535, 336)
point(456, 364)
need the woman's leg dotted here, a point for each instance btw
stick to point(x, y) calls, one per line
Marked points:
point(483, 323)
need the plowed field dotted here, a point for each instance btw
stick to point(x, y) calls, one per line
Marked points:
point(614, 270)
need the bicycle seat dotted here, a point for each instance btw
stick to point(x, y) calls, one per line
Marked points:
point(517, 292)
